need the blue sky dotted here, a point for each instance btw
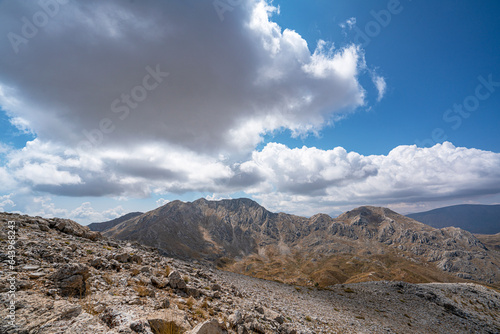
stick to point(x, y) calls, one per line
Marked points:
point(430, 54)
point(230, 102)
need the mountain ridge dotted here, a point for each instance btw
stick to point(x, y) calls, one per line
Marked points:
point(101, 226)
point(242, 236)
point(475, 218)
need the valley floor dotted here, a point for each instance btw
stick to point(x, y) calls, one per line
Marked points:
point(377, 307)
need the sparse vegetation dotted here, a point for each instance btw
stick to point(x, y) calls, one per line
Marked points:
point(190, 302)
point(204, 304)
point(165, 327)
point(143, 291)
point(107, 278)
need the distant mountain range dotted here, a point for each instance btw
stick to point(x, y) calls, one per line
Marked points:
point(483, 219)
point(99, 227)
point(364, 244)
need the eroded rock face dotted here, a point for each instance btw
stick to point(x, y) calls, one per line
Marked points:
point(228, 230)
point(70, 227)
point(71, 279)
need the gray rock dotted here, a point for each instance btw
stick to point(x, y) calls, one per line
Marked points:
point(112, 318)
point(98, 263)
point(279, 319)
point(136, 258)
point(71, 311)
point(209, 327)
point(30, 267)
point(70, 227)
point(175, 281)
point(36, 275)
point(236, 318)
point(138, 326)
point(43, 226)
point(114, 265)
point(123, 257)
point(158, 282)
point(71, 279)
point(165, 303)
point(193, 292)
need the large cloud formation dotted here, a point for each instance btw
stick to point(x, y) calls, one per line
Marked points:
point(309, 178)
point(126, 72)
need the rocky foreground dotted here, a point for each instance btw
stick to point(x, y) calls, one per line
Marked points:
point(69, 279)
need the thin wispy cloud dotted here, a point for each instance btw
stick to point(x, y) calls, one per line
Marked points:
point(381, 86)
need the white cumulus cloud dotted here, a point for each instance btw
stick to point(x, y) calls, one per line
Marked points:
point(169, 72)
point(309, 179)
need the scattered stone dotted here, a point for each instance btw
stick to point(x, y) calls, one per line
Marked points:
point(158, 282)
point(136, 258)
point(71, 279)
point(37, 275)
point(43, 226)
point(98, 263)
point(30, 267)
point(23, 285)
point(165, 303)
point(209, 327)
point(193, 292)
point(175, 281)
point(279, 319)
point(236, 318)
point(50, 262)
point(138, 326)
point(112, 318)
point(123, 257)
point(71, 311)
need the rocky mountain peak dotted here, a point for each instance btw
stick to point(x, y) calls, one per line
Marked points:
point(240, 231)
point(371, 213)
